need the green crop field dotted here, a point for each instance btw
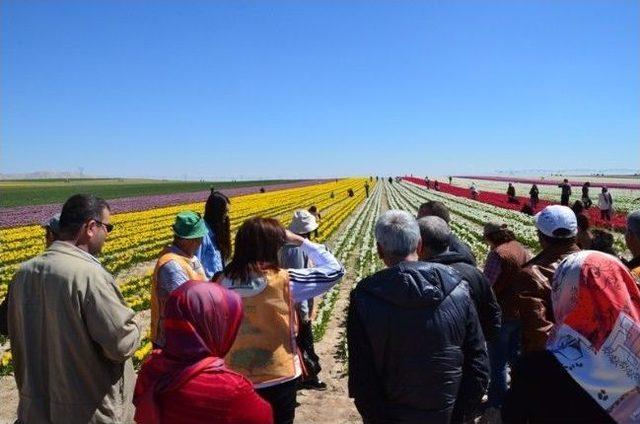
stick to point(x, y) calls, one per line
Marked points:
point(39, 192)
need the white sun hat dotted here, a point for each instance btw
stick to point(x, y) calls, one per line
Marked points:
point(556, 217)
point(303, 222)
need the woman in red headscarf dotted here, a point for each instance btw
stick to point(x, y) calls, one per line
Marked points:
point(187, 381)
point(590, 370)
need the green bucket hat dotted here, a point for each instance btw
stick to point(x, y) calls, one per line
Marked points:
point(189, 225)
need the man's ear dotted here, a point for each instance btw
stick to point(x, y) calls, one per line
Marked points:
point(419, 249)
point(90, 228)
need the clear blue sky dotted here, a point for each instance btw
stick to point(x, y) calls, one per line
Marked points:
point(304, 89)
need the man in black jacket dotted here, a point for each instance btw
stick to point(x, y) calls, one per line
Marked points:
point(435, 235)
point(415, 343)
point(435, 208)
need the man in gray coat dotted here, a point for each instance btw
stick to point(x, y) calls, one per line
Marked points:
point(71, 333)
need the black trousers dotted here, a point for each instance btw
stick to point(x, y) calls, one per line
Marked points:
point(564, 200)
point(282, 398)
point(309, 356)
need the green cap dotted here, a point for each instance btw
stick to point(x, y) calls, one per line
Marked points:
point(189, 225)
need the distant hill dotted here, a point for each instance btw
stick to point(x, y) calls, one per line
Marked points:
point(44, 175)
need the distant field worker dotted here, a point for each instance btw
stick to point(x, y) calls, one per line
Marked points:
point(366, 189)
point(52, 229)
point(586, 200)
point(215, 249)
point(565, 192)
point(265, 351)
point(72, 335)
point(511, 194)
point(176, 265)
point(314, 211)
point(534, 196)
point(605, 204)
point(474, 191)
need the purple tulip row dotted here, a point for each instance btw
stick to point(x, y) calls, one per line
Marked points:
point(37, 214)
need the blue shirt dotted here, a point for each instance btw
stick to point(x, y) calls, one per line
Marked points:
point(209, 254)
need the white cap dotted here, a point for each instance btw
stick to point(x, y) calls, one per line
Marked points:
point(556, 217)
point(303, 222)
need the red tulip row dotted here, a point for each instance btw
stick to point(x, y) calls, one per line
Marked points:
point(618, 220)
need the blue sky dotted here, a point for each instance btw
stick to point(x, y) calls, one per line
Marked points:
point(213, 89)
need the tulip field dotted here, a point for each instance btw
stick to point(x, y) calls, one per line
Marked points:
point(139, 235)
point(626, 195)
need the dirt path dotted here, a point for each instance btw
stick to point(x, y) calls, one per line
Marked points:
point(333, 406)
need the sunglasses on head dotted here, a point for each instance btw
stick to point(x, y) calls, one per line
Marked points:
point(108, 227)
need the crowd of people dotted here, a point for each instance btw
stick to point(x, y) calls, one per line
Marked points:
point(431, 338)
point(566, 322)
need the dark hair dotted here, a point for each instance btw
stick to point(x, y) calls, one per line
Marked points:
point(313, 209)
point(436, 209)
point(561, 237)
point(258, 242)
point(527, 209)
point(578, 207)
point(500, 237)
point(583, 222)
point(602, 241)
point(77, 210)
point(217, 217)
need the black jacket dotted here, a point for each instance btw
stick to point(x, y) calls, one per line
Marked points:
point(457, 245)
point(483, 297)
point(415, 346)
point(542, 391)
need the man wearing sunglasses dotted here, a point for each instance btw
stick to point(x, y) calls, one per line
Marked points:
point(72, 335)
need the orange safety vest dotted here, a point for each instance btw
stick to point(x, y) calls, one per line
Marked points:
point(157, 304)
point(264, 350)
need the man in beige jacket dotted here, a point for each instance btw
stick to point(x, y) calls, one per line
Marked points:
point(71, 333)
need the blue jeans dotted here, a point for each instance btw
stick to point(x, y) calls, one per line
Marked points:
point(504, 349)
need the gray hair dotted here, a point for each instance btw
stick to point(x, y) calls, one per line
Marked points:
point(435, 233)
point(397, 233)
point(633, 223)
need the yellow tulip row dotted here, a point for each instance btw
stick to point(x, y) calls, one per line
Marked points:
point(136, 290)
point(138, 236)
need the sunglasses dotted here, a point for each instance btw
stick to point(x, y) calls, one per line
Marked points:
point(108, 227)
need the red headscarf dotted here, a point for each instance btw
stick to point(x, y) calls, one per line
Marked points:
point(201, 324)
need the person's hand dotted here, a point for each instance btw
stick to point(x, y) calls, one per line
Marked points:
point(293, 238)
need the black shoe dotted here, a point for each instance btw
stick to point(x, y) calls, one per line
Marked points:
point(315, 384)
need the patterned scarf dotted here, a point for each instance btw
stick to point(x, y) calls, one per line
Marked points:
point(597, 333)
